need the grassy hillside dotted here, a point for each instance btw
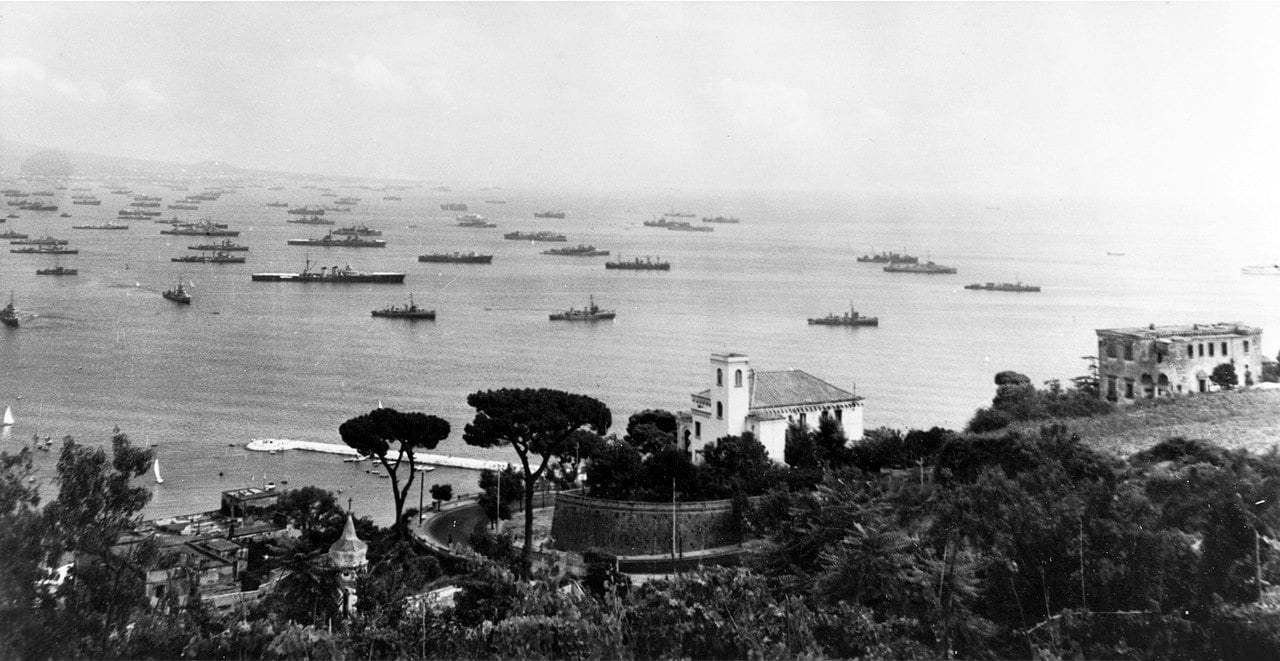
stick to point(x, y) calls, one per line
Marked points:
point(1248, 419)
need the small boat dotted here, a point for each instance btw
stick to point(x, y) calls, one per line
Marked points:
point(410, 311)
point(155, 468)
point(8, 417)
point(65, 215)
point(1262, 269)
point(590, 313)
point(271, 486)
point(178, 295)
point(9, 314)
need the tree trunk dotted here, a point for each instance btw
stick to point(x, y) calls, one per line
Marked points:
point(526, 556)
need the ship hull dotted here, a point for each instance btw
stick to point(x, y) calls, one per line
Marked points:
point(607, 316)
point(841, 322)
point(448, 259)
point(376, 278)
point(634, 267)
point(383, 314)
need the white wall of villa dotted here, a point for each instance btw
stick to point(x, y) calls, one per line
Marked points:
point(763, 403)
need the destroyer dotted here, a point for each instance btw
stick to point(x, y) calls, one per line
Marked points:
point(357, 230)
point(206, 228)
point(410, 311)
point(310, 220)
point(227, 246)
point(910, 267)
point(1003, 286)
point(307, 211)
point(889, 258)
point(457, 258)
point(46, 249)
point(218, 257)
point(579, 250)
point(103, 226)
point(331, 241)
point(9, 314)
point(647, 264)
point(45, 241)
point(590, 313)
point(534, 236)
point(331, 274)
point(850, 318)
point(178, 295)
point(57, 270)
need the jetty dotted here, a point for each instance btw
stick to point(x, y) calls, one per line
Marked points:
point(282, 444)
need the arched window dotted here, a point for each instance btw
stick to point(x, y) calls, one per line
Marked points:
point(719, 377)
point(719, 410)
point(737, 378)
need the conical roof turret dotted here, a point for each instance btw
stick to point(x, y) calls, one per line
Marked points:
point(349, 551)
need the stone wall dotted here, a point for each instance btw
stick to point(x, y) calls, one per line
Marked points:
point(637, 528)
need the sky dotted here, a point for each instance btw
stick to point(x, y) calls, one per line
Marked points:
point(1144, 99)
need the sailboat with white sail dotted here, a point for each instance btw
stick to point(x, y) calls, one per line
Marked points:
point(8, 417)
point(155, 467)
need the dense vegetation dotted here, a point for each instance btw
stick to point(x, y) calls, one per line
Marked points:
point(924, 544)
point(1017, 400)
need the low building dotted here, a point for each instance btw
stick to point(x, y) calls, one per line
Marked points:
point(764, 403)
point(1162, 361)
point(204, 555)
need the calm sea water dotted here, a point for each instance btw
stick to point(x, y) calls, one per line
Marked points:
point(248, 359)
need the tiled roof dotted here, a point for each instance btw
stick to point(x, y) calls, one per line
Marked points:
point(793, 388)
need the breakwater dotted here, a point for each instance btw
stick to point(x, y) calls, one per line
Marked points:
point(282, 444)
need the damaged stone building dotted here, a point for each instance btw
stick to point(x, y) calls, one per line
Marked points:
point(1163, 361)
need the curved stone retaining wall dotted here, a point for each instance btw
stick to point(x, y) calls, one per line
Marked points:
point(629, 528)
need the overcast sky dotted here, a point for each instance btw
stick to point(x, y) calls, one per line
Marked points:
point(1088, 98)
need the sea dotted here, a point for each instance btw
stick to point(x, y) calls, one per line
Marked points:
point(103, 350)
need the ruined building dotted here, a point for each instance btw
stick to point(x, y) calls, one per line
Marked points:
point(1162, 361)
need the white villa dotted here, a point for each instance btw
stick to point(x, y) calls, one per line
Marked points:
point(763, 403)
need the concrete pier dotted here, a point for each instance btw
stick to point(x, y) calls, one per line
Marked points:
point(282, 444)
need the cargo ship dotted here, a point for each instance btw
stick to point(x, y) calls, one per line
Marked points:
point(307, 211)
point(647, 264)
point(457, 258)
point(548, 214)
point(410, 311)
point(910, 267)
point(334, 274)
point(590, 313)
point(89, 202)
point(579, 250)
